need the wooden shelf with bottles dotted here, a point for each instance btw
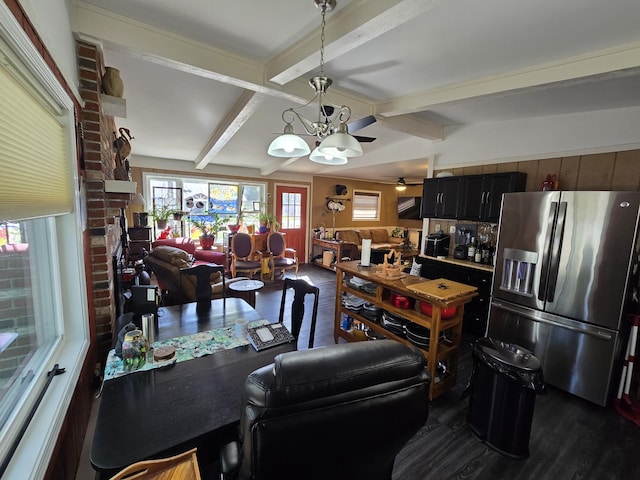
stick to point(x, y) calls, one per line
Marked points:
point(442, 350)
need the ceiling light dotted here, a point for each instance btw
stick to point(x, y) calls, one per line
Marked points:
point(330, 124)
point(327, 159)
point(401, 185)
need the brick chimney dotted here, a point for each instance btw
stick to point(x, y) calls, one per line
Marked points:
point(104, 210)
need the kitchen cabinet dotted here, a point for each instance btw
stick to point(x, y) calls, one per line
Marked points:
point(481, 195)
point(476, 313)
point(440, 350)
point(440, 197)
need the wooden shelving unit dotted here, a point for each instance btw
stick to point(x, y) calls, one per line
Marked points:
point(446, 351)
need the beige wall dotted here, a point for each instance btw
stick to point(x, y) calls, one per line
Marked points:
point(325, 188)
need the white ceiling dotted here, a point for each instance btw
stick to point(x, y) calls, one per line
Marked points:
point(206, 81)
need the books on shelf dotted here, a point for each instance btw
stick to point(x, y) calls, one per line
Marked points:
point(269, 335)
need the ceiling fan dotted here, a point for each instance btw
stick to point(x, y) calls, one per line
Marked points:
point(402, 184)
point(327, 111)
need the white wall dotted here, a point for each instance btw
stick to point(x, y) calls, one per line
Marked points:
point(50, 18)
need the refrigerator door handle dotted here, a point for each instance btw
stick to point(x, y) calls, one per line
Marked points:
point(591, 331)
point(546, 253)
point(555, 251)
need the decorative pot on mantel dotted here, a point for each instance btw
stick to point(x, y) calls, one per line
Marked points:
point(206, 241)
point(112, 83)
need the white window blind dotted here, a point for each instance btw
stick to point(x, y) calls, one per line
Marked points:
point(366, 205)
point(34, 158)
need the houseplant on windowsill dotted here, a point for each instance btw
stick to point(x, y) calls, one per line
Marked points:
point(161, 215)
point(267, 222)
point(208, 229)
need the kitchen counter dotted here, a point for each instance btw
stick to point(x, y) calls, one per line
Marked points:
point(462, 263)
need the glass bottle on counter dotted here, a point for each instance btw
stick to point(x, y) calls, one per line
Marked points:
point(478, 255)
point(471, 250)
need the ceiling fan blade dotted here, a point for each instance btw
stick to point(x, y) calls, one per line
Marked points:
point(364, 139)
point(361, 123)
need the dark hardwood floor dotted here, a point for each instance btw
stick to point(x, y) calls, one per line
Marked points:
point(570, 437)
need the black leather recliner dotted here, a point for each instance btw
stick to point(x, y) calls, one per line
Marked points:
point(338, 412)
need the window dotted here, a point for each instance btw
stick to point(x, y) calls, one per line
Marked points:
point(43, 298)
point(291, 210)
point(366, 205)
point(205, 197)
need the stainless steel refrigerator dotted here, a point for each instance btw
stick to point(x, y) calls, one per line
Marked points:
point(565, 281)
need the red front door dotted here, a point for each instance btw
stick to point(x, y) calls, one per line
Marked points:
point(291, 211)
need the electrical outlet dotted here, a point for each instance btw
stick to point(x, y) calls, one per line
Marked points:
point(452, 229)
point(437, 227)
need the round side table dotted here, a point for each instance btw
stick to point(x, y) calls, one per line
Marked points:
point(246, 289)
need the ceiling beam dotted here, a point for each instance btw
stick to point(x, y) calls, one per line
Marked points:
point(347, 29)
point(241, 111)
point(594, 63)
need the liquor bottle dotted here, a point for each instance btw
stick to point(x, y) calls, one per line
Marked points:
point(478, 256)
point(471, 250)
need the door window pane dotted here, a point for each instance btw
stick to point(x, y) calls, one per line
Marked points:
point(291, 211)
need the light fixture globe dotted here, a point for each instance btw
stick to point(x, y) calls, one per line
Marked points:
point(341, 144)
point(326, 159)
point(401, 185)
point(288, 145)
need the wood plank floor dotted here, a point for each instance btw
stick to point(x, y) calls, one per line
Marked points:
point(570, 437)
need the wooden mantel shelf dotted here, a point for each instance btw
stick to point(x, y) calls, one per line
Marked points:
point(114, 106)
point(120, 186)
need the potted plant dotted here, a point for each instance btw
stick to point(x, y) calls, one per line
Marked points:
point(267, 222)
point(208, 229)
point(178, 214)
point(234, 227)
point(161, 214)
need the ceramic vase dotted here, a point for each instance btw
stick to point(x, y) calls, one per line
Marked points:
point(112, 83)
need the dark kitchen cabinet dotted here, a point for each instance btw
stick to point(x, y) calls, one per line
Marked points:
point(481, 195)
point(476, 312)
point(440, 197)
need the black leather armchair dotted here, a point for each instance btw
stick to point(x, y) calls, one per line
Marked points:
point(338, 412)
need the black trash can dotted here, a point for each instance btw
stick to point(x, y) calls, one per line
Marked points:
point(502, 392)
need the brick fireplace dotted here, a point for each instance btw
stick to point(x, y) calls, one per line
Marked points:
point(104, 210)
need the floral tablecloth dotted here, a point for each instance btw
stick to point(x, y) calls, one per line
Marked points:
point(187, 347)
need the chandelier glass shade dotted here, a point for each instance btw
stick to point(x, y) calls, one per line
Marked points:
point(329, 125)
point(318, 157)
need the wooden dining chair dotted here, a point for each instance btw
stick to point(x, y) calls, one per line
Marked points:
point(202, 274)
point(301, 288)
point(243, 255)
point(180, 467)
point(280, 257)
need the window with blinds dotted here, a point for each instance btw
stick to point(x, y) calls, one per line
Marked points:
point(36, 164)
point(366, 205)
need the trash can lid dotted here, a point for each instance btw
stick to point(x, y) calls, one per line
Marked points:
point(509, 354)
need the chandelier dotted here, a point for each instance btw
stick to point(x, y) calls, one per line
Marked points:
point(334, 144)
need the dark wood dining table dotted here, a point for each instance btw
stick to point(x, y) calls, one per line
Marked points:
point(158, 412)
